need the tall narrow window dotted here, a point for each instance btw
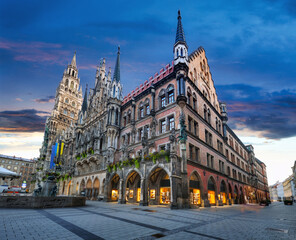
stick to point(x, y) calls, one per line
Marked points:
point(171, 123)
point(162, 126)
point(171, 95)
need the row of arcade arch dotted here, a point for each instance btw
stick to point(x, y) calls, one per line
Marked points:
point(156, 189)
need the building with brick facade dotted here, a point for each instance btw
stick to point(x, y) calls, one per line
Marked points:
point(166, 142)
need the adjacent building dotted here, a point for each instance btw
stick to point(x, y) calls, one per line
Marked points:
point(289, 187)
point(165, 142)
point(24, 167)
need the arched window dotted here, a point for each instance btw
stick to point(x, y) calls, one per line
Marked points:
point(195, 74)
point(73, 73)
point(65, 111)
point(72, 115)
point(66, 100)
point(162, 101)
point(72, 85)
point(194, 101)
point(129, 116)
point(216, 123)
point(73, 104)
point(219, 126)
point(114, 91)
point(205, 112)
point(189, 96)
point(171, 94)
point(209, 116)
point(67, 83)
point(181, 52)
point(177, 52)
point(141, 111)
point(147, 107)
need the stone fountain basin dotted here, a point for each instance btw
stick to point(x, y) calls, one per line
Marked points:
point(41, 202)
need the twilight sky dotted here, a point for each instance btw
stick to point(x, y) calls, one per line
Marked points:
point(250, 46)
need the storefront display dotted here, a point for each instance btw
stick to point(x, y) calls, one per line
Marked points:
point(194, 196)
point(152, 194)
point(138, 194)
point(211, 197)
point(114, 195)
point(223, 197)
point(165, 195)
point(131, 194)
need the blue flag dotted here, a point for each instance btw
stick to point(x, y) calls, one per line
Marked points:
point(53, 154)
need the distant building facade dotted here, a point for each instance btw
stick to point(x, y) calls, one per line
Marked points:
point(166, 142)
point(289, 187)
point(22, 166)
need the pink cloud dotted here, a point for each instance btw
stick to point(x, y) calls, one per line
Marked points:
point(35, 51)
point(88, 66)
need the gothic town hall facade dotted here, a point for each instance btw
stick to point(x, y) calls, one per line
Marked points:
point(166, 142)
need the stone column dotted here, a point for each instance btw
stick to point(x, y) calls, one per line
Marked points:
point(120, 192)
point(144, 193)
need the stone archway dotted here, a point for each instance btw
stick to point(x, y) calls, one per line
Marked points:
point(223, 192)
point(133, 187)
point(96, 189)
point(69, 188)
point(88, 193)
point(235, 195)
point(195, 189)
point(241, 196)
point(114, 185)
point(230, 195)
point(82, 187)
point(77, 189)
point(159, 187)
point(212, 190)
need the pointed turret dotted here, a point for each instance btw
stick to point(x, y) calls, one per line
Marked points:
point(180, 46)
point(73, 62)
point(84, 104)
point(116, 76)
point(180, 36)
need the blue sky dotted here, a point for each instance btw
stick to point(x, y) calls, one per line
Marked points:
point(249, 44)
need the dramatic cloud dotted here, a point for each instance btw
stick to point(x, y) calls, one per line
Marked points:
point(26, 120)
point(271, 114)
point(35, 52)
point(48, 99)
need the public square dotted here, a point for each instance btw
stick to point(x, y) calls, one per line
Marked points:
point(100, 220)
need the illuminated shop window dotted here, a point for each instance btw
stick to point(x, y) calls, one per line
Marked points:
point(131, 193)
point(152, 194)
point(138, 194)
point(211, 197)
point(165, 190)
point(114, 195)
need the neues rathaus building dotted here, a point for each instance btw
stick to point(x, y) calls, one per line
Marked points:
point(165, 142)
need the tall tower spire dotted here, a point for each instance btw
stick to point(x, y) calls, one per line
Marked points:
point(180, 46)
point(84, 104)
point(180, 36)
point(73, 62)
point(116, 76)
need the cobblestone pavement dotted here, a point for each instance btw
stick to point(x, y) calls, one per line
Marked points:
point(99, 220)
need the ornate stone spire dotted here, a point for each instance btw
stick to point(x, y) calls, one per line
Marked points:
point(84, 104)
point(73, 62)
point(116, 76)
